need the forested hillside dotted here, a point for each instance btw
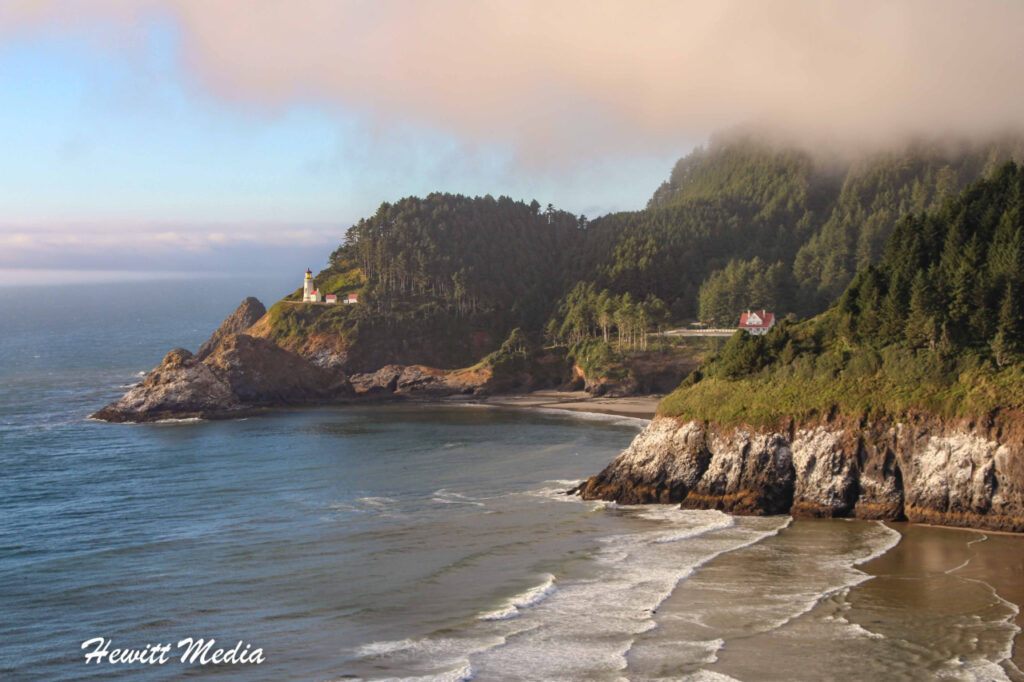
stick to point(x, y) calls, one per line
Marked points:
point(821, 218)
point(442, 280)
point(741, 224)
point(936, 325)
point(879, 191)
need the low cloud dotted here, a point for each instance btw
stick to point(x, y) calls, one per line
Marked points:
point(569, 79)
point(135, 246)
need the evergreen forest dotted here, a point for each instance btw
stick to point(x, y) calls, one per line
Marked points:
point(739, 224)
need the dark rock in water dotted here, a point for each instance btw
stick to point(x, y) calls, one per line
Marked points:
point(237, 322)
point(180, 387)
point(233, 372)
point(924, 470)
point(242, 372)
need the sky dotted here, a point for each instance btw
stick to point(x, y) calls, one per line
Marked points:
point(216, 135)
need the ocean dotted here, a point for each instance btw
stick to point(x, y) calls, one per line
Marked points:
point(419, 541)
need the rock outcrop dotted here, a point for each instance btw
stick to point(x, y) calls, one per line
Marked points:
point(920, 469)
point(419, 381)
point(644, 374)
point(231, 374)
point(245, 316)
point(180, 387)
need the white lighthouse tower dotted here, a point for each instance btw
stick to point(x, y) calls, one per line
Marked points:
point(309, 293)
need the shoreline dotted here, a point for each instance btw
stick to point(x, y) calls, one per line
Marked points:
point(925, 551)
point(637, 407)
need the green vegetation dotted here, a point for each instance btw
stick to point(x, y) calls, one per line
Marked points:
point(586, 314)
point(744, 285)
point(740, 225)
point(877, 192)
point(741, 199)
point(498, 261)
point(937, 325)
point(600, 359)
point(295, 321)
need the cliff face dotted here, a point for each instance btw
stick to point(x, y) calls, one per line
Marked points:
point(237, 322)
point(923, 469)
point(232, 373)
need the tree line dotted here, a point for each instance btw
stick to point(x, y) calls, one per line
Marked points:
point(586, 313)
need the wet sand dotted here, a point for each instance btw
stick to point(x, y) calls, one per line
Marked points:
point(919, 568)
point(642, 407)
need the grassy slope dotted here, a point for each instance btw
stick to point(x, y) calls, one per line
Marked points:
point(835, 378)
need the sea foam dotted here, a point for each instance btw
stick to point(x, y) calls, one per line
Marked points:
point(524, 600)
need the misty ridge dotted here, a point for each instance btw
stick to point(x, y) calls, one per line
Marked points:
point(758, 218)
point(747, 222)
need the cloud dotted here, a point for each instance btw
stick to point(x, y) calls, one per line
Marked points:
point(573, 78)
point(134, 245)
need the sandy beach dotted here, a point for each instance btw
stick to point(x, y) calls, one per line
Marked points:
point(927, 555)
point(642, 407)
point(931, 567)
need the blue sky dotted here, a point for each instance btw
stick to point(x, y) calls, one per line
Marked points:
point(114, 157)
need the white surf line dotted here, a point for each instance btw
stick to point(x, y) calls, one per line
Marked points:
point(846, 587)
point(689, 572)
point(885, 550)
point(983, 538)
point(616, 419)
point(524, 600)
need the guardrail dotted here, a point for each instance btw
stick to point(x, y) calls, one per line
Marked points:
point(697, 332)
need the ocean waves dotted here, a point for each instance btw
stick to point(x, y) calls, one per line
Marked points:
point(583, 621)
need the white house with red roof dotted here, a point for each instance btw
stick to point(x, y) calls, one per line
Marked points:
point(757, 323)
point(352, 298)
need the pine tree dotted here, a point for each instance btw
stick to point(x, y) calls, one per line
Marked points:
point(921, 328)
point(1007, 343)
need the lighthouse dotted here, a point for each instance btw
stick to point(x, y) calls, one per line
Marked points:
point(309, 293)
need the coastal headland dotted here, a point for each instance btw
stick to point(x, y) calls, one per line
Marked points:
point(242, 369)
point(903, 398)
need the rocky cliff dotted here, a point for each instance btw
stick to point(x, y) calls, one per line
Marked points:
point(245, 316)
point(922, 469)
point(232, 373)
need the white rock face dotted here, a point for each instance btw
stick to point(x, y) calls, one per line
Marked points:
point(661, 465)
point(925, 472)
point(824, 469)
point(953, 473)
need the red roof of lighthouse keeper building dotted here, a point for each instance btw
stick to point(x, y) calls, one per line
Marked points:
point(761, 320)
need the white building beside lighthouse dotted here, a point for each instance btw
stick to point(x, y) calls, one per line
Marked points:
point(310, 294)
